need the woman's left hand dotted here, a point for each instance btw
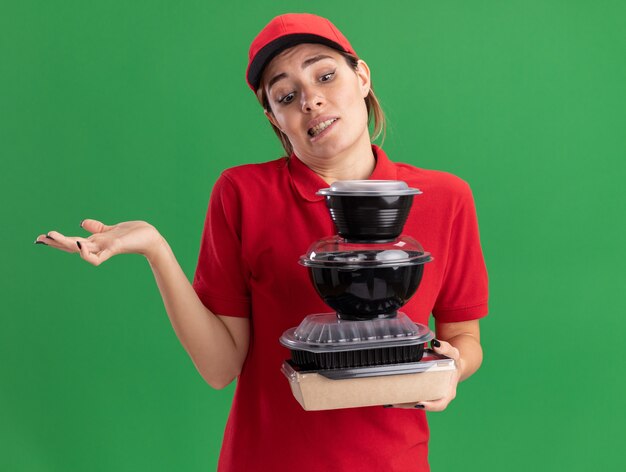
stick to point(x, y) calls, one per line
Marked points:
point(439, 405)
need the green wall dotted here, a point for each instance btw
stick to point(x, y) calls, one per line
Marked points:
point(121, 110)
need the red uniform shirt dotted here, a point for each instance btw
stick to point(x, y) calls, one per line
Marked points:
point(261, 219)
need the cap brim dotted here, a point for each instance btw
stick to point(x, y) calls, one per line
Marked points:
point(271, 50)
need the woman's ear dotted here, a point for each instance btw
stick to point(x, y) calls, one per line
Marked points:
point(363, 73)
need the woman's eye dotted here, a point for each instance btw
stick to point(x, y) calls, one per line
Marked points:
point(327, 77)
point(287, 98)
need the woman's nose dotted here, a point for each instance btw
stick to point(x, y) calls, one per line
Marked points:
point(312, 100)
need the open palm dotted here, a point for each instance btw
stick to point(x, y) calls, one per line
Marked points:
point(129, 237)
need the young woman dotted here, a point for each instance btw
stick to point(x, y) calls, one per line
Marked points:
point(248, 288)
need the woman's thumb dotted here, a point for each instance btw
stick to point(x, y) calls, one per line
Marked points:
point(94, 226)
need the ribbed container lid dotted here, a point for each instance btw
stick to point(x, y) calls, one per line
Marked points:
point(327, 333)
point(430, 362)
point(335, 251)
point(372, 188)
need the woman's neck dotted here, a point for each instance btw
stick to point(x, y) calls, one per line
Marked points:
point(356, 163)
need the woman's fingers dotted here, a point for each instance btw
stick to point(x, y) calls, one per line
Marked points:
point(94, 226)
point(408, 406)
point(65, 243)
point(447, 349)
point(94, 258)
point(57, 240)
point(442, 404)
point(434, 405)
point(48, 241)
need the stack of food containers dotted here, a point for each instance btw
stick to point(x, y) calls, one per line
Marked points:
point(367, 353)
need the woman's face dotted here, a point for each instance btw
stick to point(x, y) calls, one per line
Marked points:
point(317, 100)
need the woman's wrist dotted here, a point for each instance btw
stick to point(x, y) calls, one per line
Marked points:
point(157, 249)
point(470, 354)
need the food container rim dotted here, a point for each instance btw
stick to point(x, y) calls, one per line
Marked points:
point(429, 361)
point(355, 335)
point(369, 188)
point(355, 265)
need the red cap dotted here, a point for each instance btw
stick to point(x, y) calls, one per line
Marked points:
point(286, 31)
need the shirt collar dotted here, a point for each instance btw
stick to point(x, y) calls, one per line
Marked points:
point(307, 183)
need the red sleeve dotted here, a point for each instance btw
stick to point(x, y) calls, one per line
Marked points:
point(221, 278)
point(464, 290)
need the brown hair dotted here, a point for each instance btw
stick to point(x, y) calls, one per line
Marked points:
point(374, 110)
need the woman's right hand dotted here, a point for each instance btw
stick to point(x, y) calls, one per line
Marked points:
point(129, 237)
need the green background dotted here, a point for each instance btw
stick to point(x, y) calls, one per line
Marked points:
point(121, 110)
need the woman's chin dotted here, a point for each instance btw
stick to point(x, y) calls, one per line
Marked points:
point(333, 145)
point(326, 150)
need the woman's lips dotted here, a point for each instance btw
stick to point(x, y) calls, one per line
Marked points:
point(324, 132)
